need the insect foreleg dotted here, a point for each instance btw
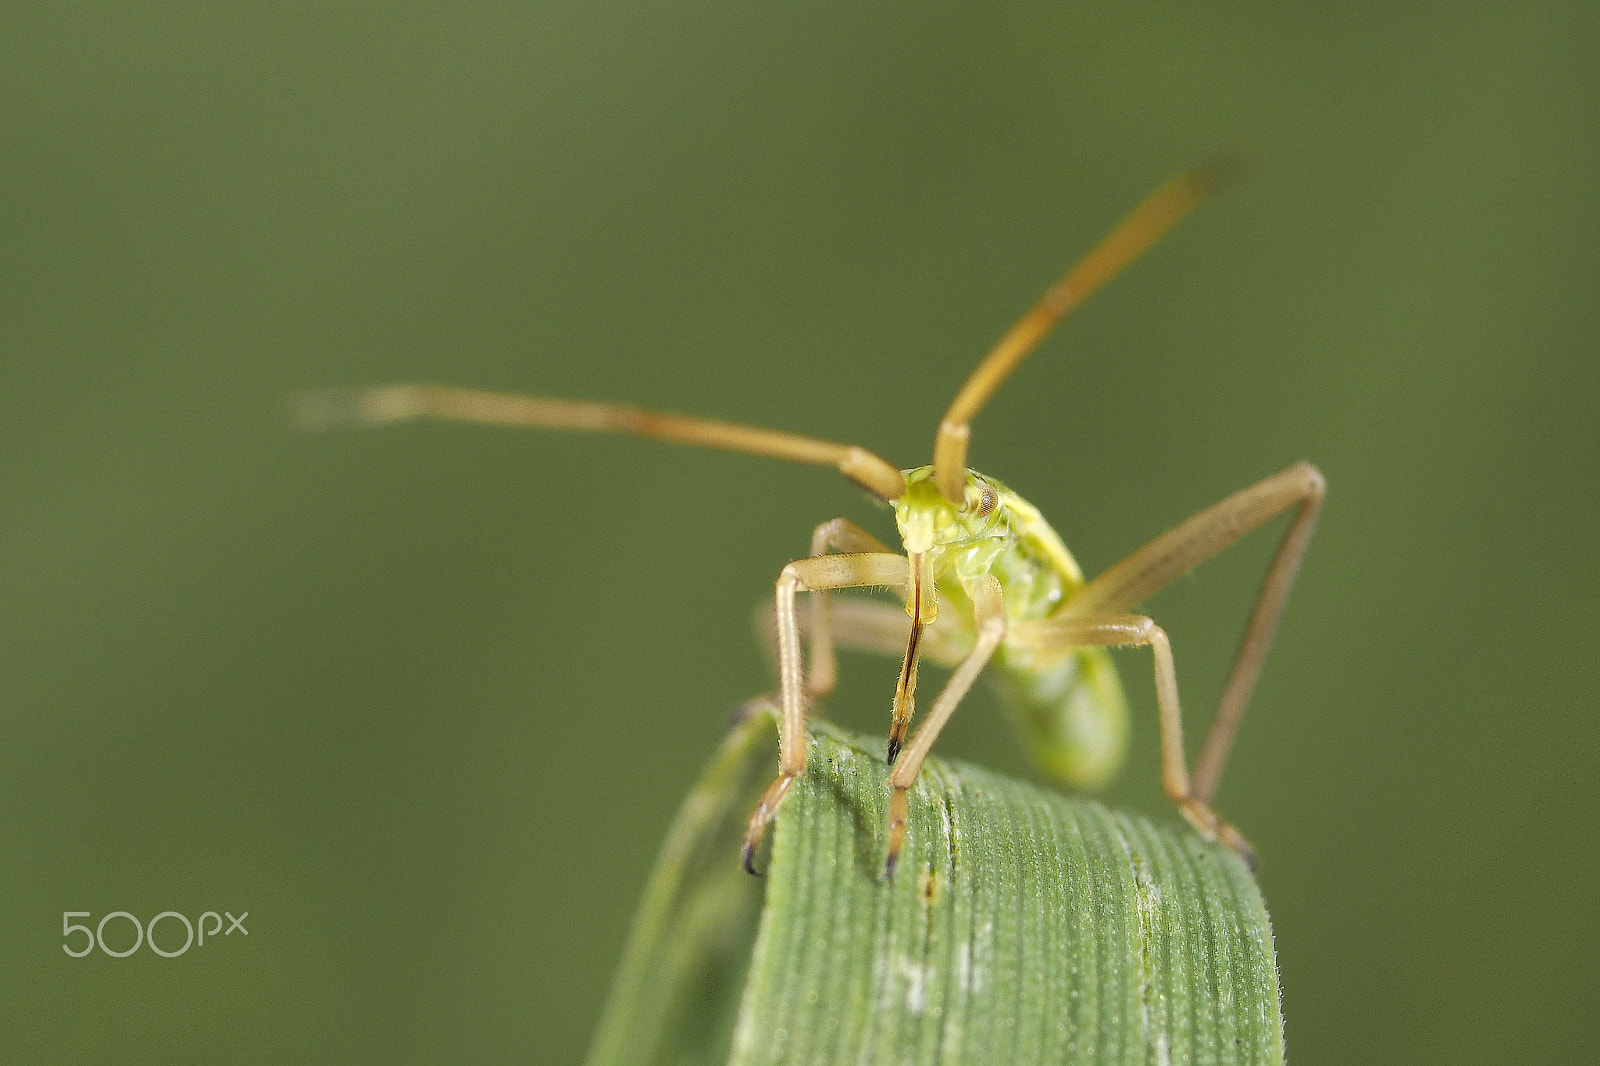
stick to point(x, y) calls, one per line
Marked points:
point(989, 613)
point(810, 575)
point(879, 628)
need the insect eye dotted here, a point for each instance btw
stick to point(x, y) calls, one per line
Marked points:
point(986, 503)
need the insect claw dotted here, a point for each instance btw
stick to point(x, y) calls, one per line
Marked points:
point(1213, 828)
point(1239, 846)
point(747, 858)
point(762, 816)
point(899, 725)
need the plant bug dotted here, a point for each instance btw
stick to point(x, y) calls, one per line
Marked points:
point(1013, 598)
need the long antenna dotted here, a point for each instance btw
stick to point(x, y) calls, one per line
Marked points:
point(1133, 235)
point(398, 403)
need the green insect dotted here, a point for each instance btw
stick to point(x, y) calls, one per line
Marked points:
point(985, 582)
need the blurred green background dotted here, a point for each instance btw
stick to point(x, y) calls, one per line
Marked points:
point(422, 700)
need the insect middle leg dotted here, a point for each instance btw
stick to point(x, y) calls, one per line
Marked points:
point(839, 535)
point(863, 625)
point(822, 633)
point(1055, 634)
point(816, 574)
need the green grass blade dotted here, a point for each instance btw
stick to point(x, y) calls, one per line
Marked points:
point(1021, 927)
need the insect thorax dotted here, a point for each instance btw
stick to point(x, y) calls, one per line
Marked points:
point(996, 532)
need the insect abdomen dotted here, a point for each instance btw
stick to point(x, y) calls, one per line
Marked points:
point(1071, 716)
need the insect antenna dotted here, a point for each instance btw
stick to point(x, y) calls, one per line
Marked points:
point(326, 409)
point(1160, 211)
